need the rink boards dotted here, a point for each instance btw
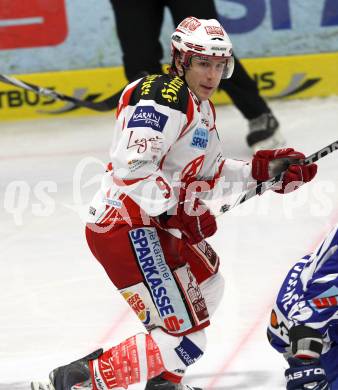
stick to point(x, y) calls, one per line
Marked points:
point(305, 76)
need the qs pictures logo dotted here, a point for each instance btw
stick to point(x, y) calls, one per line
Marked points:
point(87, 178)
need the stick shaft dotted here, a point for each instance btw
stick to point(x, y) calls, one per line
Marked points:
point(105, 105)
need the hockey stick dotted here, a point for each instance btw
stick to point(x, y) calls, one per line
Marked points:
point(320, 385)
point(265, 185)
point(105, 105)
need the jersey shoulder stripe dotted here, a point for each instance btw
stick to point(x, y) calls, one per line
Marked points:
point(165, 90)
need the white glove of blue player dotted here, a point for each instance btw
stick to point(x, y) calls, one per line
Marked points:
point(305, 375)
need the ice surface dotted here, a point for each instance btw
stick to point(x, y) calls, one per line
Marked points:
point(56, 302)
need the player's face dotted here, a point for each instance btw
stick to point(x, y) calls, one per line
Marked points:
point(204, 75)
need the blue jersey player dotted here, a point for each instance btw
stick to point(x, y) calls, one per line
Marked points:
point(304, 320)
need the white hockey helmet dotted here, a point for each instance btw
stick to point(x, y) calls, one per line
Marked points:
point(205, 38)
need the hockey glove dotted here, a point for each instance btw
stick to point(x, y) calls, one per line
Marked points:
point(192, 218)
point(305, 374)
point(269, 163)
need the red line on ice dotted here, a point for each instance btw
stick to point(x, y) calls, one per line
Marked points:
point(238, 348)
point(118, 322)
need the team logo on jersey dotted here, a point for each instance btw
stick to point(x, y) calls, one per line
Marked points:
point(200, 138)
point(147, 116)
point(191, 170)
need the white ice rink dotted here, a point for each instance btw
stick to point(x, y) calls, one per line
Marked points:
point(57, 303)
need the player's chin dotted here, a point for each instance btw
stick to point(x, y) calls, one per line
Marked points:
point(206, 93)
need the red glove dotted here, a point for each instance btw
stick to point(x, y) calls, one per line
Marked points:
point(192, 218)
point(269, 163)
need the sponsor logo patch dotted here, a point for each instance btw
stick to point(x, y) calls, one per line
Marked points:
point(325, 300)
point(193, 294)
point(214, 30)
point(157, 274)
point(209, 254)
point(147, 84)
point(171, 89)
point(136, 303)
point(134, 165)
point(147, 116)
point(141, 145)
point(200, 138)
point(215, 48)
point(189, 24)
point(113, 202)
point(188, 352)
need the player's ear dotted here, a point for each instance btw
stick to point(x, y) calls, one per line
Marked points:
point(179, 66)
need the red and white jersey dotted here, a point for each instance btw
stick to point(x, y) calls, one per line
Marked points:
point(163, 138)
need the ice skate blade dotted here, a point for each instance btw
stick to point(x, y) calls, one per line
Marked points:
point(49, 386)
point(87, 385)
point(42, 386)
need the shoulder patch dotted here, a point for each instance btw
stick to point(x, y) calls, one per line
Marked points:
point(147, 116)
point(163, 89)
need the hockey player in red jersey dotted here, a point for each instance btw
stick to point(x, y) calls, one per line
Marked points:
point(148, 228)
